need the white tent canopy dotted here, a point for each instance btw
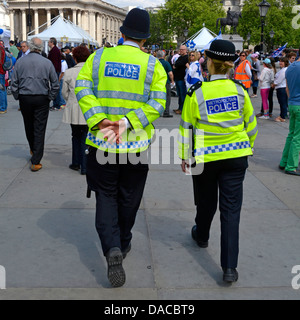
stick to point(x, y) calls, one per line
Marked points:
point(5, 36)
point(202, 38)
point(64, 31)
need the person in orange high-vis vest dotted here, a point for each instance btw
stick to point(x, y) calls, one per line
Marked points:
point(243, 71)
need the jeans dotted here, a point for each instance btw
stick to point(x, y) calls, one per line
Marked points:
point(283, 102)
point(290, 154)
point(181, 91)
point(3, 94)
point(254, 86)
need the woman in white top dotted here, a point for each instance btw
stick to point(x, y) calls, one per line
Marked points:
point(280, 86)
point(193, 70)
point(266, 78)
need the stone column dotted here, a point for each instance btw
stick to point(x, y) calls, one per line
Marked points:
point(108, 29)
point(99, 29)
point(12, 24)
point(92, 26)
point(86, 21)
point(24, 25)
point(74, 13)
point(36, 21)
point(48, 18)
point(79, 20)
point(61, 12)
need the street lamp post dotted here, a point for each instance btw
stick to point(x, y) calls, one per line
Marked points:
point(263, 10)
point(272, 33)
point(29, 16)
point(185, 33)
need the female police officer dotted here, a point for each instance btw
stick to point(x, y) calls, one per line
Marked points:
point(223, 125)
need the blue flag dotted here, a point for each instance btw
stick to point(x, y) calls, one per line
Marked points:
point(278, 51)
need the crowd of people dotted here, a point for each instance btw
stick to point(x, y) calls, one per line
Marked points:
point(213, 99)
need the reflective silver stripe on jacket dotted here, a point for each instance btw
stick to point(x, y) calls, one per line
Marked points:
point(84, 83)
point(149, 76)
point(222, 148)
point(142, 117)
point(96, 65)
point(115, 146)
point(252, 132)
point(129, 95)
point(83, 93)
point(185, 125)
point(158, 95)
point(156, 105)
point(121, 95)
point(241, 98)
point(107, 110)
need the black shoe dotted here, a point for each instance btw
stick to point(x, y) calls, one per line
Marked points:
point(294, 173)
point(74, 167)
point(115, 272)
point(230, 275)
point(201, 244)
point(168, 116)
point(125, 251)
point(281, 167)
point(83, 173)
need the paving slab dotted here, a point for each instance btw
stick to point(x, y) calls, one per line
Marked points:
point(50, 248)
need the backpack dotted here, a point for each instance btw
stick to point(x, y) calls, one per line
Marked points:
point(9, 61)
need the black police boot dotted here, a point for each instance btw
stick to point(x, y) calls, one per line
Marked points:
point(115, 272)
point(230, 275)
point(200, 243)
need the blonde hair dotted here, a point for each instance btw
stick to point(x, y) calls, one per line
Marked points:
point(195, 55)
point(222, 67)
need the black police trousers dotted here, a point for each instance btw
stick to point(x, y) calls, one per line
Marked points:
point(221, 180)
point(118, 189)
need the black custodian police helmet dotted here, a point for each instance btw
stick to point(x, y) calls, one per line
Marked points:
point(221, 50)
point(136, 24)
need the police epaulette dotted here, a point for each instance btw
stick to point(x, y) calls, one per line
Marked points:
point(239, 82)
point(194, 87)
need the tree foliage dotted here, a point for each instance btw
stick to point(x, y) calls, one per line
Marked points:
point(279, 18)
point(177, 15)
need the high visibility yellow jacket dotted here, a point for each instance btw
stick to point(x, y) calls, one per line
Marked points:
point(218, 122)
point(117, 82)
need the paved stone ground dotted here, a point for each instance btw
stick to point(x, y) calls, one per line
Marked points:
point(50, 249)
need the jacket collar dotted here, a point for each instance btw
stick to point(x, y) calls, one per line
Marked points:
point(218, 77)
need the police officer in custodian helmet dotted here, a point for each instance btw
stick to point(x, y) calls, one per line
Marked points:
point(220, 118)
point(121, 91)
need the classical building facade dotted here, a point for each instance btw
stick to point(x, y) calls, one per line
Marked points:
point(234, 5)
point(100, 19)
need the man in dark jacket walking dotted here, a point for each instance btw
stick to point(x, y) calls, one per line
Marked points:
point(34, 84)
point(55, 57)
